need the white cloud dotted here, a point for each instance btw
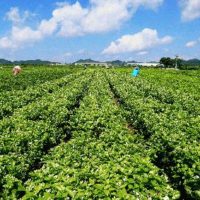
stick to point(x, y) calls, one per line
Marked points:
point(70, 20)
point(19, 36)
point(105, 16)
point(100, 16)
point(47, 27)
point(190, 9)
point(25, 34)
point(67, 54)
point(15, 17)
point(6, 43)
point(141, 41)
point(191, 44)
point(142, 53)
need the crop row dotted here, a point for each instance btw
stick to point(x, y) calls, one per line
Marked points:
point(12, 100)
point(175, 114)
point(30, 77)
point(176, 82)
point(103, 159)
point(33, 130)
point(172, 137)
point(175, 78)
point(178, 93)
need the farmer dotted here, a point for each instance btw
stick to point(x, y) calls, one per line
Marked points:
point(135, 72)
point(16, 70)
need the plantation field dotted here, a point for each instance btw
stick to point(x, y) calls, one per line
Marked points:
point(30, 76)
point(68, 133)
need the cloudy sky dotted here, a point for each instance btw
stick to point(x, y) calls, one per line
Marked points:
point(142, 30)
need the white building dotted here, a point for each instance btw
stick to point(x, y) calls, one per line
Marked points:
point(145, 64)
point(56, 64)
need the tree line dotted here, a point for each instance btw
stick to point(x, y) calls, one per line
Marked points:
point(168, 62)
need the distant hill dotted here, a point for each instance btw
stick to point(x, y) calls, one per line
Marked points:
point(5, 62)
point(132, 61)
point(86, 61)
point(116, 62)
point(191, 62)
point(34, 62)
point(153, 62)
point(27, 62)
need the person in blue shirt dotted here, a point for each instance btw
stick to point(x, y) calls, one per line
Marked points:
point(135, 71)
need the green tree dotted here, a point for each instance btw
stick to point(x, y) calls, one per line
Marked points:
point(167, 62)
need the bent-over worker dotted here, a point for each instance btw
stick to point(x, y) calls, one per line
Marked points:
point(16, 70)
point(135, 72)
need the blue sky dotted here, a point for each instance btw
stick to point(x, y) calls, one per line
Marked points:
point(68, 30)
